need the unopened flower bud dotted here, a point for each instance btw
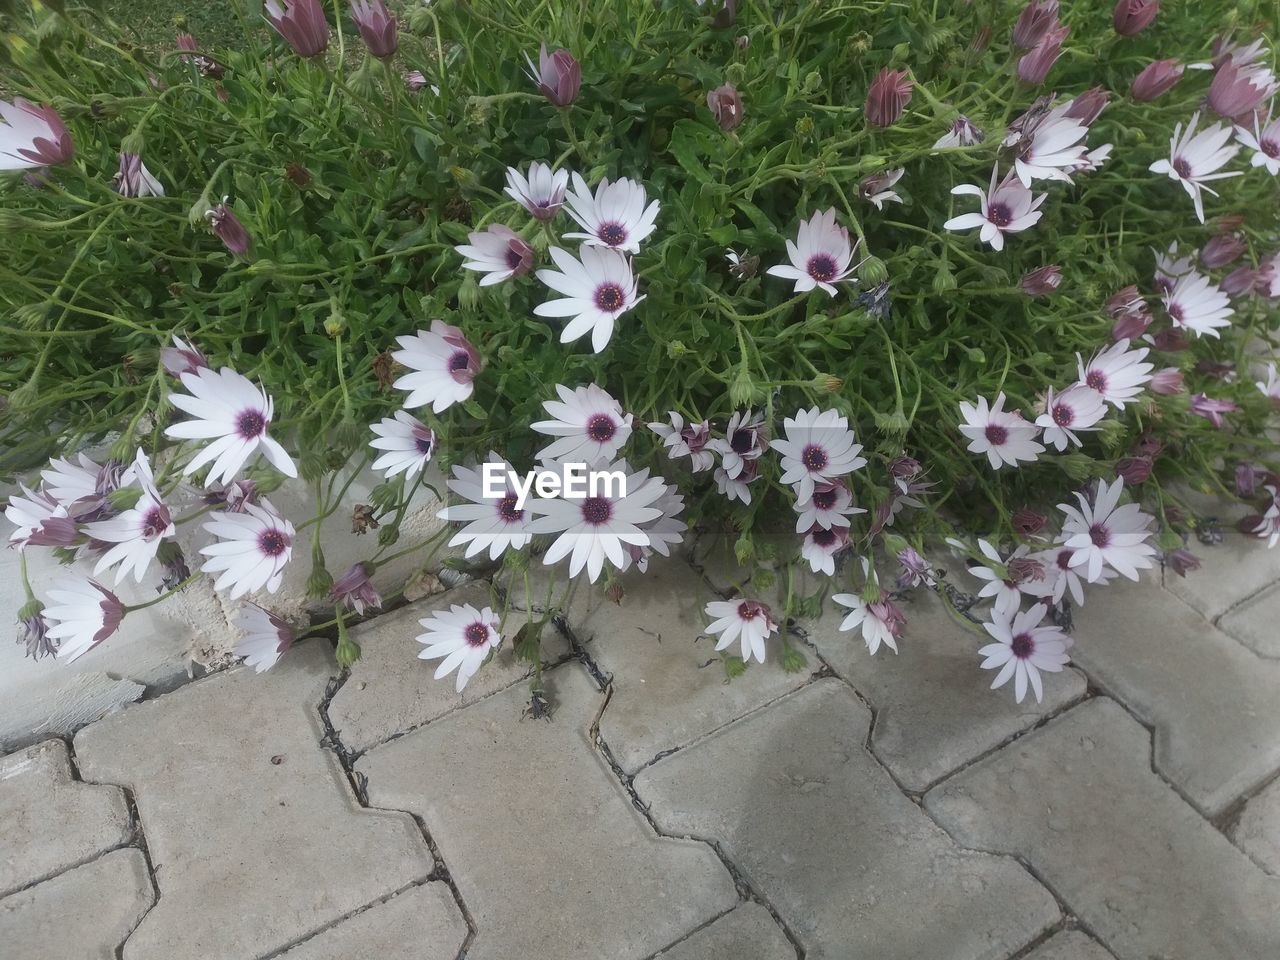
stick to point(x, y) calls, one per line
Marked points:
point(1240, 282)
point(1034, 21)
point(377, 27)
point(1182, 561)
point(228, 228)
point(1043, 281)
point(944, 280)
point(124, 498)
point(301, 23)
point(1167, 382)
point(1035, 65)
point(889, 95)
point(1155, 79)
point(1134, 470)
point(726, 106)
point(1131, 17)
point(558, 75)
point(742, 390)
point(873, 272)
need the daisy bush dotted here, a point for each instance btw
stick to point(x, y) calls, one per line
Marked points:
point(857, 288)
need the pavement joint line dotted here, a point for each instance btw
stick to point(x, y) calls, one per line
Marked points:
point(696, 930)
point(1068, 923)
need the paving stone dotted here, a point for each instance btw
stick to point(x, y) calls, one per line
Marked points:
point(390, 690)
point(255, 837)
point(818, 828)
point(1232, 571)
point(52, 821)
point(83, 914)
point(669, 690)
point(548, 852)
point(935, 709)
point(744, 933)
point(1257, 832)
point(1136, 863)
point(422, 923)
point(1214, 705)
point(1070, 945)
point(1256, 623)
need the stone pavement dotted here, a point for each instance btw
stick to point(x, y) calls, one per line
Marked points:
point(858, 809)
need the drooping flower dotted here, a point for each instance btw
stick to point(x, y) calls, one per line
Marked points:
point(819, 447)
point(1167, 382)
point(598, 287)
point(1271, 386)
point(377, 27)
point(1264, 141)
point(558, 75)
point(408, 444)
point(747, 621)
point(877, 189)
point(830, 506)
point(915, 570)
point(228, 409)
point(615, 216)
point(1077, 408)
point(1197, 304)
point(32, 136)
point(1195, 159)
point(888, 96)
point(1023, 648)
point(1134, 470)
point(737, 488)
point(880, 619)
point(497, 251)
point(1131, 17)
point(821, 256)
point(1221, 250)
point(1042, 281)
point(599, 526)
point(1003, 435)
point(1035, 65)
point(135, 533)
point(252, 549)
point(355, 590)
point(442, 364)
point(181, 358)
point(493, 523)
point(133, 179)
point(744, 441)
point(81, 613)
point(416, 81)
point(542, 194)
point(725, 104)
point(1156, 79)
point(1052, 147)
point(822, 545)
point(961, 134)
point(1212, 410)
point(1239, 89)
point(1182, 561)
point(33, 634)
point(301, 23)
point(1106, 533)
point(664, 532)
point(689, 441)
point(1117, 373)
point(461, 639)
point(30, 513)
point(227, 227)
point(267, 637)
point(1033, 22)
point(591, 426)
point(1009, 207)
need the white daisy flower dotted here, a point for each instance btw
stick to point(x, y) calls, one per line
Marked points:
point(229, 410)
point(1264, 141)
point(252, 549)
point(590, 424)
point(1104, 533)
point(81, 614)
point(30, 514)
point(1094, 159)
point(32, 136)
point(1006, 579)
point(747, 621)
point(266, 638)
point(597, 528)
point(736, 488)
point(962, 133)
point(1170, 266)
point(819, 447)
point(877, 189)
point(1052, 148)
point(442, 364)
point(822, 545)
point(1003, 435)
point(1023, 648)
point(598, 287)
point(1061, 576)
point(461, 639)
point(615, 217)
point(1008, 207)
point(1198, 304)
point(498, 252)
point(830, 506)
point(495, 524)
point(686, 441)
point(1195, 158)
point(408, 443)
point(136, 532)
point(821, 256)
point(1116, 373)
point(77, 485)
point(743, 441)
point(181, 358)
point(542, 193)
point(1079, 407)
point(664, 532)
point(1271, 386)
point(881, 620)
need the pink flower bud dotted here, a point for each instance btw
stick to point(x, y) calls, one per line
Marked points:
point(301, 23)
point(1034, 66)
point(1221, 250)
point(557, 75)
point(229, 229)
point(726, 106)
point(1167, 382)
point(1212, 410)
point(982, 39)
point(1182, 561)
point(1086, 107)
point(1028, 522)
point(1043, 281)
point(185, 41)
point(1238, 89)
point(377, 27)
point(1240, 282)
point(1171, 340)
point(1156, 79)
point(1148, 445)
point(1247, 478)
point(1131, 17)
point(1134, 470)
point(32, 136)
point(1036, 19)
point(355, 590)
point(1131, 326)
point(888, 97)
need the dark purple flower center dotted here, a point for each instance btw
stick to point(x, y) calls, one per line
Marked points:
point(614, 234)
point(507, 509)
point(1096, 379)
point(515, 259)
point(1175, 312)
point(814, 458)
point(1023, 646)
point(821, 267)
point(250, 424)
point(824, 499)
point(609, 297)
point(1270, 147)
point(1064, 559)
point(477, 634)
point(272, 542)
point(1062, 414)
point(596, 510)
point(742, 441)
point(996, 434)
point(823, 538)
point(459, 361)
point(1182, 168)
point(424, 443)
point(154, 522)
point(601, 428)
point(748, 610)
point(1099, 535)
point(999, 214)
